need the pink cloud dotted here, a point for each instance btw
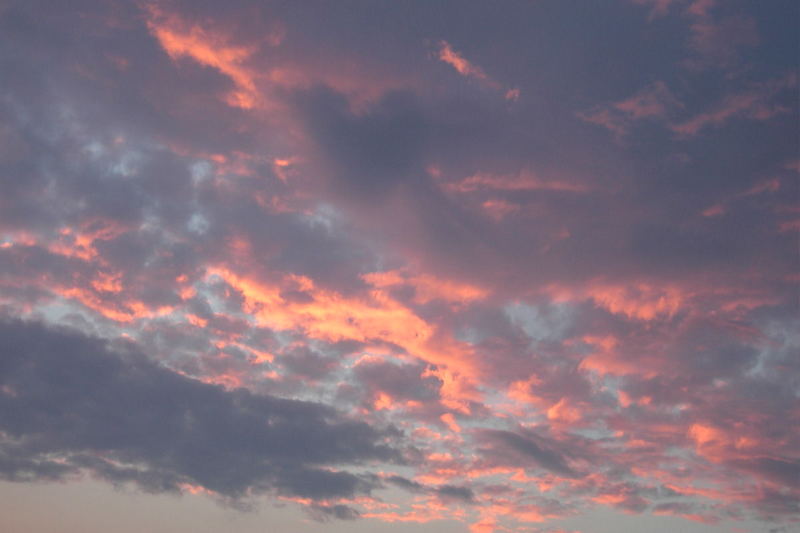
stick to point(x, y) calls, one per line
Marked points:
point(457, 61)
point(654, 102)
point(542, 324)
point(756, 104)
point(208, 48)
point(468, 69)
point(525, 180)
point(658, 8)
point(717, 42)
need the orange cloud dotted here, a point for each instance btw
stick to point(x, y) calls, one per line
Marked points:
point(328, 315)
point(209, 48)
point(332, 317)
point(79, 243)
point(564, 411)
point(499, 209)
point(717, 444)
point(606, 359)
point(382, 401)
point(253, 80)
point(641, 301)
point(484, 526)
point(457, 61)
point(427, 288)
point(450, 422)
point(525, 180)
point(467, 69)
point(118, 310)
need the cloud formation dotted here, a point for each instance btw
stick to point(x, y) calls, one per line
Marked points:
point(511, 271)
point(75, 403)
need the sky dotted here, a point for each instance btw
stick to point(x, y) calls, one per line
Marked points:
point(399, 267)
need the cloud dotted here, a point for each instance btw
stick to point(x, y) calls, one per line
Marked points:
point(717, 43)
point(716, 40)
point(276, 232)
point(467, 69)
point(454, 59)
point(518, 448)
point(525, 181)
point(762, 102)
point(73, 403)
point(654, 102)
point(658, 8)
point(180, 39)
point(370, 153)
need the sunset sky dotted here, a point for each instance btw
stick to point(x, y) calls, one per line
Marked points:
point(399, 267)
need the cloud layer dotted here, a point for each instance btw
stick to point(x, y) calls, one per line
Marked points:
point(395, 265)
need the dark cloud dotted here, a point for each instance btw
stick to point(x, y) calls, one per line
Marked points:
point(71, 402)
point(508, 447)
point(405, 382)
point(308, 363)
point(374, 152)
point(338, 511)
point(452, 492)
point(782, 471)
point(405, 483)
point(445, 492)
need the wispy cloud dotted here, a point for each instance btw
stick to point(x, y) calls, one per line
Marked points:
point(759, 103)
point(654, 102)
point(467, 69)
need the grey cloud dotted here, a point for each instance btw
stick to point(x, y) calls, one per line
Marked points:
point(508, 447)
point(69, 402)
point(445, 492)
point(405, 483)
point(323, 513)
point(783, 471)
point(452, 492)
point(308, 363)
point(400, 381)
point(372, 153)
